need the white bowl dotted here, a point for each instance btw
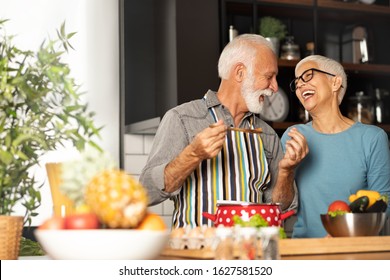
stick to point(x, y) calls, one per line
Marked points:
point(102, 244)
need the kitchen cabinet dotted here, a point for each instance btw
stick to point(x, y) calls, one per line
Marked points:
point(326, 23)
point(169, 55)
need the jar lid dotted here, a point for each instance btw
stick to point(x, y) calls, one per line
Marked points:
point(223, 232)
point(266, 231)
point(289, 46)
point(247, 232)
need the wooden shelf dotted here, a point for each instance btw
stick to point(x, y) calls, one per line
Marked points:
point(385, 127)
point(285, 125)
point(304, 3)
point(332, 4)
point(357, 7)
point(287, 63)
point(377, 69)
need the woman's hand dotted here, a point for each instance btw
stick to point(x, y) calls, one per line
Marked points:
point(296, 150)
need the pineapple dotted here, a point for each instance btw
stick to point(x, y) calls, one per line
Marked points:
point(118, 200)
point(76, 173)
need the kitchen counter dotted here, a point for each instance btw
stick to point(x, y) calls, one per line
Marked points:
point(338, 248)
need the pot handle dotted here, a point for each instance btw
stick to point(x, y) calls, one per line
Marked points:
point(287, 214)
point(209, 216)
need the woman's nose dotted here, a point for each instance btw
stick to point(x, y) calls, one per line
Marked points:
point(299, 83)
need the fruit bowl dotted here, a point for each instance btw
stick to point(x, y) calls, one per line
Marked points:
point(102, 244)
point(354, 224)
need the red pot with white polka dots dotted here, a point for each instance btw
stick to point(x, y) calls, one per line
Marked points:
point(271, 212)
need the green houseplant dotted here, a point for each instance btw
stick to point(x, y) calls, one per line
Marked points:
point(272, 29)
point(40, 110)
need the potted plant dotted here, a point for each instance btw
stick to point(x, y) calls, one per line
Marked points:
point(272, 29)
point(40, 110)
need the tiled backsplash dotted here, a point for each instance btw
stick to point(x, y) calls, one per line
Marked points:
point(137, 148)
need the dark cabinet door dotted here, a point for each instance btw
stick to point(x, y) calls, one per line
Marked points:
point(169, 54)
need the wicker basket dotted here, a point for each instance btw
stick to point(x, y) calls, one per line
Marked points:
point(11, 228)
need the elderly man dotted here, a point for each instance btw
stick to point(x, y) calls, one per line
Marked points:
point(218, 148)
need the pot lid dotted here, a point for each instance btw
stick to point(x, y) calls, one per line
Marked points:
point(242, 203)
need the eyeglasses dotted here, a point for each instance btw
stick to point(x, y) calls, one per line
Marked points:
point(306, 77)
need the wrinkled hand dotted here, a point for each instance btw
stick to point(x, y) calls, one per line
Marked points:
point(209, 141)
point(296, 150)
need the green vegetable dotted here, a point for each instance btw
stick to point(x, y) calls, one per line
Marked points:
point(385, 198)
point(256, 221)
point(359, 205)
point(29, 247)
point(337, 213)
point(379, 206)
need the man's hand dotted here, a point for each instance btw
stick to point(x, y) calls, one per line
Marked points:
point(296, 150)
point(205, 145)
point(209, 141)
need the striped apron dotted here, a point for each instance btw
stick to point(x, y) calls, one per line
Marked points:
point(239, 172)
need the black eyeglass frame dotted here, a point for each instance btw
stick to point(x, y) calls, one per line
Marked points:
point(293, 84)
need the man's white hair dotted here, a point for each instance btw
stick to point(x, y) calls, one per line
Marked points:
point(242, 49)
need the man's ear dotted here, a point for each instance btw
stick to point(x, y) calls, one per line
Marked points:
point(239, 71)
point(337, 82)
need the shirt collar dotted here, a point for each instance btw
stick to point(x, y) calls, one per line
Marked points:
point(213, 101)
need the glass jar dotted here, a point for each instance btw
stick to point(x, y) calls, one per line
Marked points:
point(309, 48)
point(290, 51)
point(247, 243)
point(269, 239)
point(361, 108)
point(382, 106)
point(224, 247)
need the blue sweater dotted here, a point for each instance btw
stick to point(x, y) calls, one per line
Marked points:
point(336, 166)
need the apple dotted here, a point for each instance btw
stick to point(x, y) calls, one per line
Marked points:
point(55, 222)
point(82, 221)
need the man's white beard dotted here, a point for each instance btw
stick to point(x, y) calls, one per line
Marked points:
point(252, 98)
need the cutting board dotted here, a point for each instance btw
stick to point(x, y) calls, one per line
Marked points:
point(304, 246)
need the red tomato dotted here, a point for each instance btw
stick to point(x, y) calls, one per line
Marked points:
point(82, 221)
point(54, 222)
point(338, 205)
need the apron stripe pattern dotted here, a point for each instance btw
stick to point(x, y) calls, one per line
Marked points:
point(237, 173)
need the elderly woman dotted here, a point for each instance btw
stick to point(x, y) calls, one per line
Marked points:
point(344, 156)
